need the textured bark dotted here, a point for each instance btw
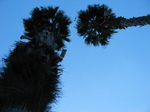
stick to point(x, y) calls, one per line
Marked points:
point(122, 23)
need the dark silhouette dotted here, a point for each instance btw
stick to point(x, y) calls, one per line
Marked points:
point(30, 77)
point(97, 24)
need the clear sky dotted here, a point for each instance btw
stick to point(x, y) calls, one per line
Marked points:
point(115, 78)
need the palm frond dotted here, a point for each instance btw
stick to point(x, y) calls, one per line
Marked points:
point(94, 24)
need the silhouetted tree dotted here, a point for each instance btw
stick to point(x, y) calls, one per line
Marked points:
point(30, 77)
point(97, 24)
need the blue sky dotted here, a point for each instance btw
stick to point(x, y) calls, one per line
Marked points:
point(115, 78)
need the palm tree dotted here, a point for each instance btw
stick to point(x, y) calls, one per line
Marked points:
point(30, 77)
point(97, 24)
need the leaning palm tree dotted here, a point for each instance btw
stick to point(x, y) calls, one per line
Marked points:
point(30, 78)
point(97, 24)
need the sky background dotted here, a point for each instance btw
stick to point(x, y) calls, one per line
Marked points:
point(115, 78)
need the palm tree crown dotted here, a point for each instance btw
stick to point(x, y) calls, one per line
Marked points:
point(48, 19)
point(93, 24)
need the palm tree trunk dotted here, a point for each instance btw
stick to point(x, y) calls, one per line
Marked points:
point(29, 80)
point(122, 23)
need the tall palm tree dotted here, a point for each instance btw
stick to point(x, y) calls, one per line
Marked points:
point(30, 77)
point(97, 24)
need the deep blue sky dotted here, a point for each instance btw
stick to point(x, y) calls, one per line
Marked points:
point(95, 79)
